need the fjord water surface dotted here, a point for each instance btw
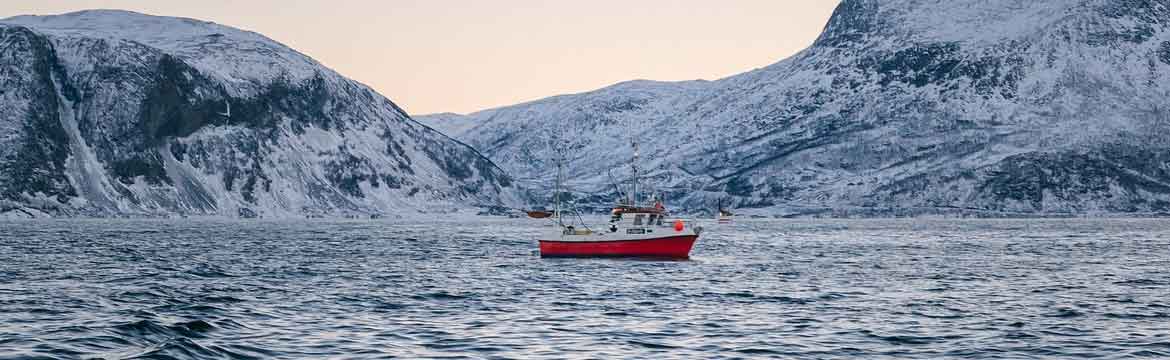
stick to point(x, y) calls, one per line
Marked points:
point(757, 288)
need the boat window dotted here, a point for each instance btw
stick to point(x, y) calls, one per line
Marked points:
point(653, 219)
point(660, 220)
point(638, 219)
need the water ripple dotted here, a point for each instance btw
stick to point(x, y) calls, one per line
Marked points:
point(758, 288)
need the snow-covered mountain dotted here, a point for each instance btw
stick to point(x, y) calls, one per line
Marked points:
point(118, 113)
point(901, 106)
point(451, 124)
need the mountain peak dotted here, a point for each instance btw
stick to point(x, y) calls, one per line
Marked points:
point(981, 105)
point(118, 23)
point(111, 112)
point(242, 57)
point(83, 14)
point(981, 22)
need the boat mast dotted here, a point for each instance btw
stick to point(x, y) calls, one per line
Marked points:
point(557, 193)
point(634, 165)
point(560, 159)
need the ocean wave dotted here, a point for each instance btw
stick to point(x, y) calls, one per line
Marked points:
point(853, 291)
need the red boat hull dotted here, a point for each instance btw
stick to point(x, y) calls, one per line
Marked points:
point(674, 247)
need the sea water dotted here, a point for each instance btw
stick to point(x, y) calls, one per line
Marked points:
point(478, 289)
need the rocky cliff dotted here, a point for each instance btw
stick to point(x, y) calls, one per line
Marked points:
point(112, 113)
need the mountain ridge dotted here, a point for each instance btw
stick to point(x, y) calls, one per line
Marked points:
point(115, 113)
point(898, 105)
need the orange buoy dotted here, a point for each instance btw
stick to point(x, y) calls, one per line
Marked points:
point(678, 225)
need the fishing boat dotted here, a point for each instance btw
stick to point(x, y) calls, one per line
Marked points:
point(724, 216)
point(539, 214)
point(631, 232)
point(634, 230)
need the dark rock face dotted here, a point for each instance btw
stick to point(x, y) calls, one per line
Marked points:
point(1115, 179)
point(38, 146)
point(1164, 52)
point(228, 124)
point(850, 23)
point(947, 63)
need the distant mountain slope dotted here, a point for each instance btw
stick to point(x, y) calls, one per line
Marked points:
point(117, 113)
point(451, 124)
point(901, 106)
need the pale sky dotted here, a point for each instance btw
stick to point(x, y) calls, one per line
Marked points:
point(468, 55)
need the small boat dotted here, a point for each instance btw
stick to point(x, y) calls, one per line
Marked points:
point(633, 231)
point(724, 216)
point(539, 214)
